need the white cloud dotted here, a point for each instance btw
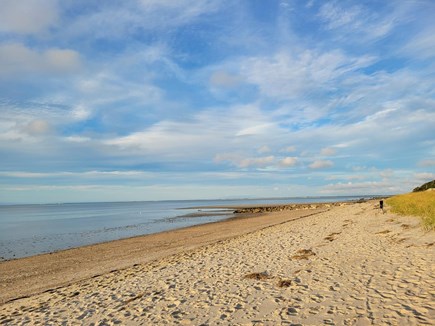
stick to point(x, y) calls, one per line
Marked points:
point(29, 17)
point(20, 127)
point(112, 21)
point(152, 96)
point(288, 75)
point(386, 174)
point(224, 79)
point(245, 162)
point(271, 162)
point(357, 21)
point(23, 174)
point(85, 174)
point(337, 17)
point(363, 188)
point(379, 135)
point(186, 9)
point(237, 128)
point(359, 168)
point(233, 158)
point(61, 59)
point(289, 149)
point(425, 163)
point(328, 151)
point(28, 119)
point(37, 127)
point(421, 45)
point(321, 164)
point(17, 60)
point(257, 129)
point(256, 161)
point(288, 161)
point(77, 139)
point(340, 176)
point(310, 3)
point(384, 95)
point(111, 86)
point(81, 112)
point(264, 149)
point(424, 177)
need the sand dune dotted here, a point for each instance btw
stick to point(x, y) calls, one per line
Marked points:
point(350, 265)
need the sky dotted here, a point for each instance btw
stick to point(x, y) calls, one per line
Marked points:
point(196, 99)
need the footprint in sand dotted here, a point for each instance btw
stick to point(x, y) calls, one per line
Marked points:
point(332, 236)
point(383, 232)
point(303, 254)
point(257, 276)
point(285, 283)
point(347, 223)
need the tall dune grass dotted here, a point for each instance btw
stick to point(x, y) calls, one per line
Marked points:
point(418, 204)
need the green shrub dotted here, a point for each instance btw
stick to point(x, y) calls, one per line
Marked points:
point(426, 186)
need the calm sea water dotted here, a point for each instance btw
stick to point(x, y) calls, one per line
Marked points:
point(27, 230)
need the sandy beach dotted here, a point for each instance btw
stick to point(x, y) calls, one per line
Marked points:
point(342, 265)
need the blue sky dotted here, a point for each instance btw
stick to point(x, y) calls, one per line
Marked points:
point(183, 99)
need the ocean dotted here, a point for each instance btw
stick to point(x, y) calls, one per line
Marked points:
point(27, 230)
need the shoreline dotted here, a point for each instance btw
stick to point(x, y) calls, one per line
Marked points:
point(23, 240)
point(26, 276)
point(228, 212)
point(347, 265)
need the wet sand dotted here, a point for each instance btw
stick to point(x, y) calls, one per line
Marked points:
point(347, 265)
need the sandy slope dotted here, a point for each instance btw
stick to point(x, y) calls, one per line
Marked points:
point(351, 265)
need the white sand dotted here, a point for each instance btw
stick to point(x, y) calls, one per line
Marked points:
point(351, 265)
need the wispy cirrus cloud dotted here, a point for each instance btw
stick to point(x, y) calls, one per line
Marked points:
point(288, 75)
point(357, 20)
point(421, 45)
point(241, 90)
point(112, 20)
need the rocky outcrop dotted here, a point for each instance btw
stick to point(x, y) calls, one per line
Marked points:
point(280, 208)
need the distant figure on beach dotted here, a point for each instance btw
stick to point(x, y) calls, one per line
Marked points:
point(381, 205)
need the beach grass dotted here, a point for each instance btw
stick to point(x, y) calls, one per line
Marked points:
point(420, 204)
